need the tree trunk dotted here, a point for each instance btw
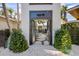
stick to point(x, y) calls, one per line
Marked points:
point(6, 15)
point(18, 16)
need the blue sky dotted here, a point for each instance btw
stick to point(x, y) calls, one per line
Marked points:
point(12, 5)
point(70, 5)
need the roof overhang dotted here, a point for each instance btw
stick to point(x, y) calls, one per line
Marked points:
point(74, 11)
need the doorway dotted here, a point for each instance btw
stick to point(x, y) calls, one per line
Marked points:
point(40, 27)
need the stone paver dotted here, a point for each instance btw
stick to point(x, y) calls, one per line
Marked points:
point(75, 50)
point(41, 37)
point(40, 50)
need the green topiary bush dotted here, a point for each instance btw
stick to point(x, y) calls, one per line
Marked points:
point(18, 42)
point(62, 40)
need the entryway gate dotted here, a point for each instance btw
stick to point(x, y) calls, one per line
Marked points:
point(41, 15)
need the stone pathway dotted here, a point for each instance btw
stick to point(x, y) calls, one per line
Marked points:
point(40, 50)
point(75, 50)
point(41, 37)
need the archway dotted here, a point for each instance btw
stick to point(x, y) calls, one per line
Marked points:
point(44, 26)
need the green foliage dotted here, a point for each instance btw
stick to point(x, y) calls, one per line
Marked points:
point(69, 25)
point(10, 10)
point(63, 12)
point(18, 42)
point(73, 29)
point(62, 40)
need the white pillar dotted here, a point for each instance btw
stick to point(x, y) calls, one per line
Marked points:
point(25, 20)
point(56, 23)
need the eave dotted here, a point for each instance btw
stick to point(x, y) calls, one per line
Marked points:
point(74, 11)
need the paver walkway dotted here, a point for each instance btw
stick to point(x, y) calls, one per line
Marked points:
point(40, 50)
point(75, 50)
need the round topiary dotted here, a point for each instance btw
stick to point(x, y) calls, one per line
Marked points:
point(62, 40)
point(18, 42)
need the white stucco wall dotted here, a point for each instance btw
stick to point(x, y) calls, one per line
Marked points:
point(56, 22)
point(56, 18)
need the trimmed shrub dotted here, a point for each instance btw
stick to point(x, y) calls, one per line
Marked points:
point(62, 40)
point(18, 42)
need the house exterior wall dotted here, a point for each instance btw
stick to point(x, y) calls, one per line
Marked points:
point(26, 8)
point(3, 24)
